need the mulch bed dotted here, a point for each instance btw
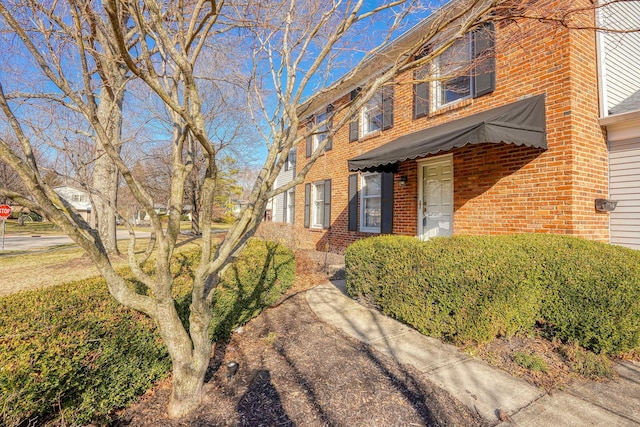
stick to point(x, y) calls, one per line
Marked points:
point(296, 370)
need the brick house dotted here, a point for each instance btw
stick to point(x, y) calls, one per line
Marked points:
point(515, 146)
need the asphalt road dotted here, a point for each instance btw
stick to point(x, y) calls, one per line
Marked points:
point(30, 242)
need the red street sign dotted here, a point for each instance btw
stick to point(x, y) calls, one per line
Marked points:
point(5, 211)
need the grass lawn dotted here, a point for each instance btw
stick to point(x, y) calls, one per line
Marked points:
point(28, 271)
point(43, 227)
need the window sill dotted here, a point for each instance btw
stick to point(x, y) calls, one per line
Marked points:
point(370, 230)
point(370, 135)
point(316, 228)
point(451, 107)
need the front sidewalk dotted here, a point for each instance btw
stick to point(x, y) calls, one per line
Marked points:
point(484, 388)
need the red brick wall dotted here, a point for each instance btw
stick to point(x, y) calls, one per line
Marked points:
point(500, 188)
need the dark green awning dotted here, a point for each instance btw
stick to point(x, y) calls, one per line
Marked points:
point(520, 123)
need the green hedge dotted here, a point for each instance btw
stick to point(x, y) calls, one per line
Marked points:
point(472, 289)
point(72, 353)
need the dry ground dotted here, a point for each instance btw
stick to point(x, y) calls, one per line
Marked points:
point(296, 370)
point(29, 271)
point(26, 271)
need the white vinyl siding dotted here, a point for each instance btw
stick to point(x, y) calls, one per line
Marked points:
point(624, 186)
point(620, 57)
point(284, 177)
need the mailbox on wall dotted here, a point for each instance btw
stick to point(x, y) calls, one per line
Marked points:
point(605, 205)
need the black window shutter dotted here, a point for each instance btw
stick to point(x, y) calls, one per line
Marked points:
point(387, 107)
point(309, 141)
point(329, 145)
point(284, 207)
point(307, 204)
point(354, 125)
point(286, 162)
point(326, 223)
point(420, 95)
point(387, 203)
point(421, 90)
point(484, 75)
point(293, 155)
point(353, 202)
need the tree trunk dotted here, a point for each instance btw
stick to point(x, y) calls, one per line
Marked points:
point(105, 172)
point(105, 184)
point(187, 384)
point(190, 353)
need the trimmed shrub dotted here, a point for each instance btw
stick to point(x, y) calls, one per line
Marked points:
point(255, 281)
point(71, 354)
point(471, 289)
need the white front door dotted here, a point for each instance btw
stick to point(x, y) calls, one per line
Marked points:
point(435, 197)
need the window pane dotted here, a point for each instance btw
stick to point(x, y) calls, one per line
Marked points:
point(456, 88)
point(372, 214)
point(290, 205)
point(455, 62)
point(318, 205)
point(371, 185)
point(370, 202)
point(372, 114)
point(321, 135)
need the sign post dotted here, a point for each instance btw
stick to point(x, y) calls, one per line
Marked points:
point(5, 211)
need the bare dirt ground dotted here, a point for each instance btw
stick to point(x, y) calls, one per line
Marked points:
point(296, 370)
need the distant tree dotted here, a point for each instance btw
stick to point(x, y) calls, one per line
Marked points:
point(73, 73)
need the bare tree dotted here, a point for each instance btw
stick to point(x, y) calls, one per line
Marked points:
point(71, 45)
point(8, 177)
point(291, 49)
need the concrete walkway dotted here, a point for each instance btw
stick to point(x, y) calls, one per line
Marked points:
point(478, 385)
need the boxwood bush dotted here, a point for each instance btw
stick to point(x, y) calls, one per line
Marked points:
point(470, 289)
point(72, 355)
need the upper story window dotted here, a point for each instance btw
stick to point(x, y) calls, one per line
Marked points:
point(318, 128)
point(466, 69)
point(371, 116)
point(376, 115)
point(290, 164)
point(321, 133)
point(454, 72)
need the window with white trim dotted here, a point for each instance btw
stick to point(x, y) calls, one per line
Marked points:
point(453, 68)
point(290, 164)
point(321, 133)
point(290, 207)
point(467, 69)
point(317, 205)
point(371, 115)
point(370, 202)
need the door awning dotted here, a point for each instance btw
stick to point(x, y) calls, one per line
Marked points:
point(520, 123)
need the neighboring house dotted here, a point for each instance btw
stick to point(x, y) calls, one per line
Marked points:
point(620, 114)
point(283, 205)
point(79, 199)
point(514, 146)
